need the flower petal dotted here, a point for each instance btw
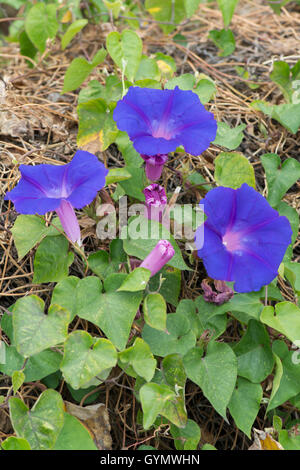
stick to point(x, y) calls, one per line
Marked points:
point(86, 175)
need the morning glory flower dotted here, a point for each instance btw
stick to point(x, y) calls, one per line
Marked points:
point(244, 238)
point(158, 257)
point(159, 121)
point(156, 201)
point(59, 188)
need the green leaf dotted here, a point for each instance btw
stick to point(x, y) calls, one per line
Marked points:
point(134, 186)
point(149, 233)
point(100, 264)
point(203, 86)
point(79, 70)
point(186, 438)
point(215, 373)
point(37, 367)
point(162, 11)
point(85, 357)
point(131, 156)
point(33, 330)
point(155, 311)
point(233, 169)
point(178, 338)
point(27, 49)
point(285, 209)
point(41, 425)
point(95, 124)
point(254, 354)
point(292, 273)
point(227, 8)
point(52, 260)
point(74, 436)
point(148, 69)
point(15, 443)
point(78, 295)
point(206, 318)
point(281, 76)
point(17, 379)
point(279, 180)
point(288, 115)
point(28, 230)
point(140, 358)
point(115, 7)
point(191, 7)
point(125, 50)
point(285, 319)
point(153, 399)
point(224, 40)
point(114, 315)
point(290, 440)
point(71, 32)
point(166, 64)
point(41, 24)
point(287, 377)
point(174, 373)
point(171, 285)
point(245, 404)
point(135, 281)
point(228, 137)
point(117, 174)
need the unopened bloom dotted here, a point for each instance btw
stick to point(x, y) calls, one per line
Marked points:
point(223, 294)
point(158, 257)
point(156, 201)
point(154, 165)
point(244, 238)
point(59, 188)
point(159, 121)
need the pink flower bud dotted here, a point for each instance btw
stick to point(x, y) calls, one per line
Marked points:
point(158, 257)
point(156, 201)
point(154, 165)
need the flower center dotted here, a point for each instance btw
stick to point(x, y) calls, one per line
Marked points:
point(162, 129)
point(232, 241)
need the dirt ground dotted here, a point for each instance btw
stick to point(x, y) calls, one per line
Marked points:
point(38, 124)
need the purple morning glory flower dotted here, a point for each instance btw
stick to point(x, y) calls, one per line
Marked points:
point(158, 257)
point(59, 188)
point(156, 200)
point(244, 238)
point(159, 121)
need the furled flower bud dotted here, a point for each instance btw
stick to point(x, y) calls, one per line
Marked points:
point(158, 257)
point(156, 201)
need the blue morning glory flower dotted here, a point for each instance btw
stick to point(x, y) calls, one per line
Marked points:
point(244, 238)
point(159, 121)
point(59, 188)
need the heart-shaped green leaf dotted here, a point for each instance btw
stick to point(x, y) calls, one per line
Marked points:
point(33, 330)
point(84, 358)
point(41, 425)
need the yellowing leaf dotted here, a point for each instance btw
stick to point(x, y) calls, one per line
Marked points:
point(154, 10)
point(67, 18)
point(263, 440)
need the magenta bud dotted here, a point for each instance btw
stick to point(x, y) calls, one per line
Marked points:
point(69, 221)
point(158, 257)
point(154, 165)
point(156, 201)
